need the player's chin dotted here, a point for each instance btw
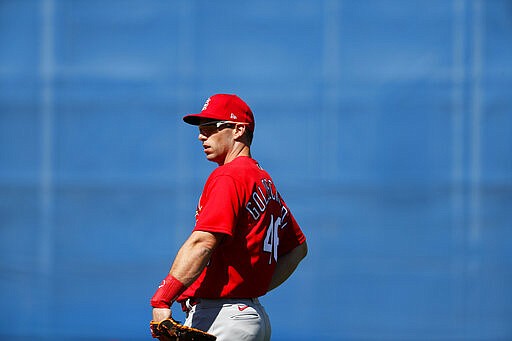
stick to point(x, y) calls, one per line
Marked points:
point(210, 156)
point(213, 158)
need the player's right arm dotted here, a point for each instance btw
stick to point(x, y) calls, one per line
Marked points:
point(287, 264)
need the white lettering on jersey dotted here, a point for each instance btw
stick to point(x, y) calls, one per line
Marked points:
point(258, 202)
point(260, 198)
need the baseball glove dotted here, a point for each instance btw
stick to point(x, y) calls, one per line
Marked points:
point(172, 330)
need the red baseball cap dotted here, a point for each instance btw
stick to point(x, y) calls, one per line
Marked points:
point(224, 107)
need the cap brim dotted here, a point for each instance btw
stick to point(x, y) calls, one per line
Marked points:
point(195, 119)
point(192, 119)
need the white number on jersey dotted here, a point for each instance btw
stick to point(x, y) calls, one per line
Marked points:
point(271, 241)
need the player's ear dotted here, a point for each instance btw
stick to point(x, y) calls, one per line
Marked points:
point(239, 131)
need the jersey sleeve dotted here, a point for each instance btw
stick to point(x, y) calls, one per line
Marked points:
point(219, 206)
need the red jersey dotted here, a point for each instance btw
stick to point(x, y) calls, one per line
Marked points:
point(240, 200)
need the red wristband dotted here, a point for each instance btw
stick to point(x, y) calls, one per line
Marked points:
point(167, 292)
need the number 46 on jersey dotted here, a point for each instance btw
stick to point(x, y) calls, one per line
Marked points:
point(271, 241)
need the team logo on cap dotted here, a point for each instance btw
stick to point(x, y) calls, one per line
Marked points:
point(233, 116)
point(206, 104)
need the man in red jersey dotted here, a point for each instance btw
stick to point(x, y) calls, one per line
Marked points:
point(245, 242)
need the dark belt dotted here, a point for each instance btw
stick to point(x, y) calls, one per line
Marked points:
point(189, 302)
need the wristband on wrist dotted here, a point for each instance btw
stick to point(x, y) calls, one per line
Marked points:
point(167, 292)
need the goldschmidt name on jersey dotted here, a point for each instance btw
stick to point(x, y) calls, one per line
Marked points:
point(260, 198)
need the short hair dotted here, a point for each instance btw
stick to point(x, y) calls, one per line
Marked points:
point(249, 134)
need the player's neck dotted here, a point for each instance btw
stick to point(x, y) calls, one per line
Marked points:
point(241, 150)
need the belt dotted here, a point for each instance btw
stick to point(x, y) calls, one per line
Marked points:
point(187, 305)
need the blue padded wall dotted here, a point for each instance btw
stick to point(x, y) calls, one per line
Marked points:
point(386, 125)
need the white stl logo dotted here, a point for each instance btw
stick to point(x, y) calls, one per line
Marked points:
point(233, 116)
point(206, 104)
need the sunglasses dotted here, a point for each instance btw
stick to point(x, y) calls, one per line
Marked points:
point(210, 128)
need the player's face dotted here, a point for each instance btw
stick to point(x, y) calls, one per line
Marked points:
point(217, 139)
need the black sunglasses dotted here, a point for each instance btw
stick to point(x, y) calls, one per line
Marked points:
point(210, 128)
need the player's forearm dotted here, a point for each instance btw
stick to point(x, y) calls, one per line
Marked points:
point(287, 264)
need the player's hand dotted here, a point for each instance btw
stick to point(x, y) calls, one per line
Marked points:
point(160, 314)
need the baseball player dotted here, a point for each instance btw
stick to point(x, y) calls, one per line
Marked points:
point(245, 241)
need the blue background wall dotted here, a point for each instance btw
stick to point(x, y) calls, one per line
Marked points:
point(387, 126)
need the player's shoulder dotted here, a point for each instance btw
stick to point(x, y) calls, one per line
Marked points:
point(241, 163)
point(240, 168)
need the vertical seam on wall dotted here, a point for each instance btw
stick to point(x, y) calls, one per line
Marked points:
point(476, 113)
point(331, 78)
point(45, 241)
point(47, 109)
point(457, 196)
point(186, 71)
point(458, 78)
